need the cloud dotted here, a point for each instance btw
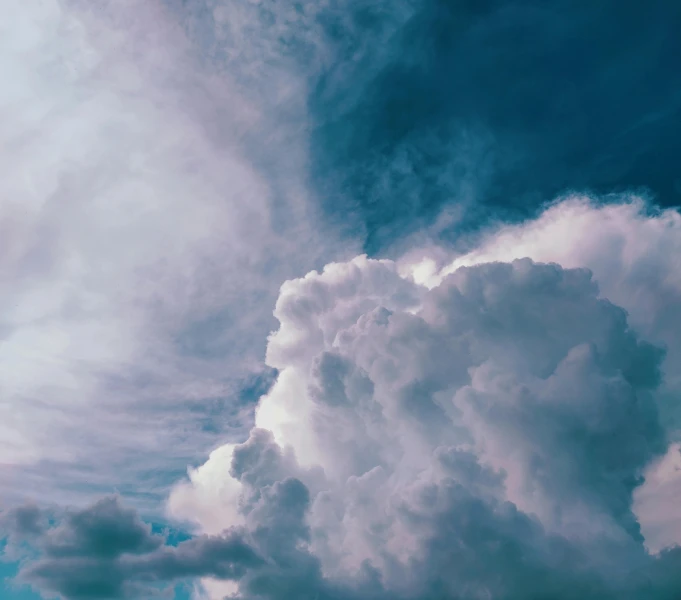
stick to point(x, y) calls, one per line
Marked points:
point(482, 436)
point(632, 250)
point(135, 227)
point(462, 425)
point(106, 551)
point(656, 502)
point(630, 247)
point(151, 147)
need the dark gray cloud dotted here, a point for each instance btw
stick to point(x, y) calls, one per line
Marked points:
point(107, 551)
point(105, 530)
point(24, 521)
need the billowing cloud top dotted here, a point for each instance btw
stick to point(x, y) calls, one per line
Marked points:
point(484, 436)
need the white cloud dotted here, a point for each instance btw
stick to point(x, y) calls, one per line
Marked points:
point(209, 497)
point(416, 415)
point(634, 253)
point(657, 501)
point(132, 216)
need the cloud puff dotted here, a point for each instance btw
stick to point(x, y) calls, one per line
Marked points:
point(479, 437)
point(632, 249)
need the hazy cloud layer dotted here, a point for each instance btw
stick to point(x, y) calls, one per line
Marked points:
point(131, 228)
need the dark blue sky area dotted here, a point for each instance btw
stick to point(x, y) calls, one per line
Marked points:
point(498, 105)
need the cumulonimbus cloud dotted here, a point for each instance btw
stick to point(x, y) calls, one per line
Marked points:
point(409, 391)
point(478, 428)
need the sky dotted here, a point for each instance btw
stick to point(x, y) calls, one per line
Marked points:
point(340, 300)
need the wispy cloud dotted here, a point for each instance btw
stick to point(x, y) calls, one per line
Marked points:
point(135, 279)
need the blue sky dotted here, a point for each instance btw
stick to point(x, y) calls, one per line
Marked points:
point(171, 172)
point(8, 570)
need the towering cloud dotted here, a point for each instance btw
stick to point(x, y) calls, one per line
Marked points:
point(482, 436)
